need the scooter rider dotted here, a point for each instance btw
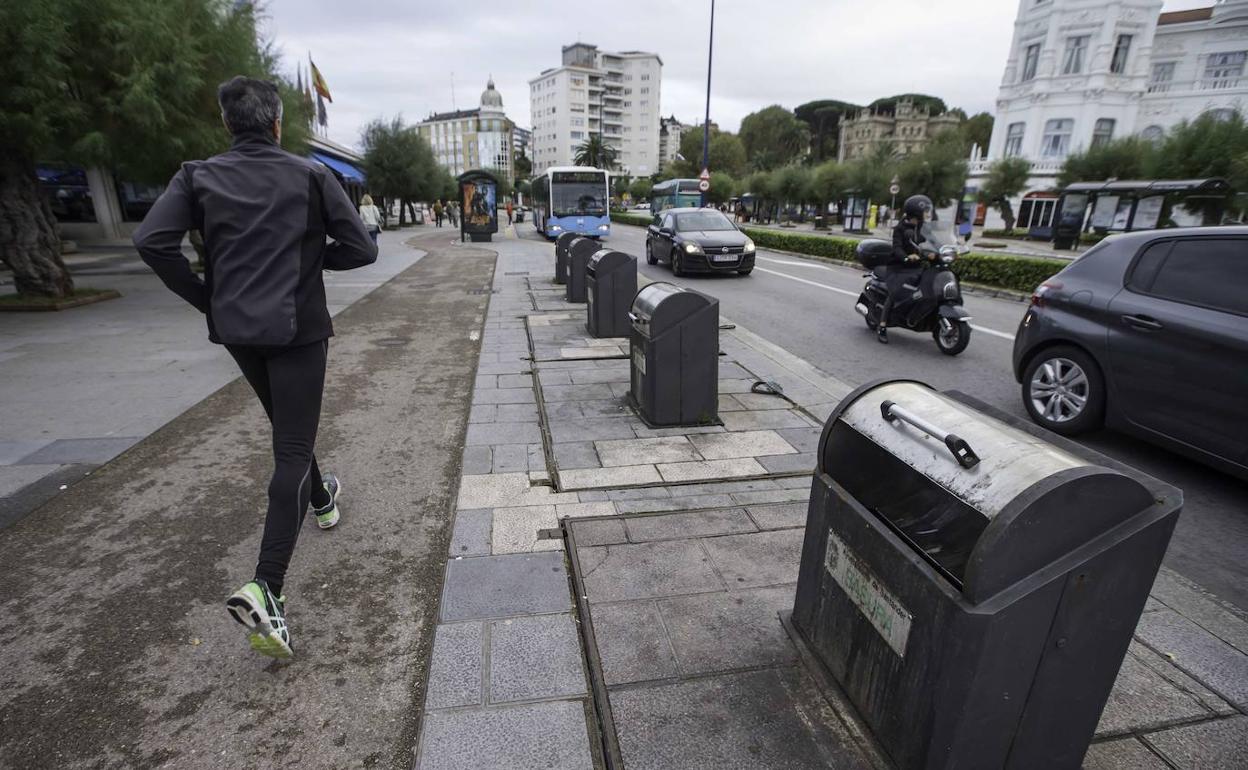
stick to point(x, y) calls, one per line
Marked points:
point(904, 267)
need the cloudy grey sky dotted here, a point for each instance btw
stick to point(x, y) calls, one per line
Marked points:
point(389, 57)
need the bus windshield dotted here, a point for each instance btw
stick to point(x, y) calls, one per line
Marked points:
point(580, 196)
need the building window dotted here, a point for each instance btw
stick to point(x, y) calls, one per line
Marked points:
point(1223, 70)
point(1014, 140)
point(1221, 115)
point(1122, 49)
point(1159, 81)
point(1103, 132)
point(645, 77)
point(1031, 60)
point(578, 134)
point(1056, 142)
point(1076, 49)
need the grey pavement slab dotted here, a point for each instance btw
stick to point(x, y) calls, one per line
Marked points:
point(758, 559)
point(515, 413)
point(1213, 662)
point(779, 516)
point(511, 458)
point(646, 570)
point(1218, 744)
point(801, 463)
point(651, 505)
point(515, 530)
point(455, 669)
point(687, 525)
point(478, 460)
point(1202, 608)
point(780, 495)
point(599, 532)
point(501, 586)
point(803, 439)
point(597, 429)
point(504, 396)
point(15, 477)
point(754, 443)
point(504, 433)
point(535, 657)
point(771, 718)
point(1150, 693)
point(13, 451)
point(471, 535)
point(576, 454)
point(641, 451)
point(1122, 754)
point(73, 451)
point(729, 630)
point(710, 469)
point(597, 478)
point(632, 643)
point(550, 736)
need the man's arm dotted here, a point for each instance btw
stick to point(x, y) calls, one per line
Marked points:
point(159, 241)
point(352, 247)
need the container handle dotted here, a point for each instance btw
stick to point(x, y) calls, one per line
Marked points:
point(962, 452)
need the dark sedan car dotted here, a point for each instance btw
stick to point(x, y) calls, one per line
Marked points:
point(698, 240)
point(1148, 333)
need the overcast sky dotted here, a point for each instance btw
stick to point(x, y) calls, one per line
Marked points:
point(388, 57)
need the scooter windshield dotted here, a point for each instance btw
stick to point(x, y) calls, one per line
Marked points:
point(938, 234)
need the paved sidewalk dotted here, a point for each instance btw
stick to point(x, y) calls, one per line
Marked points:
point(83, 385)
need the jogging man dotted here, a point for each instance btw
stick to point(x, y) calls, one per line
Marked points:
point(264, 215)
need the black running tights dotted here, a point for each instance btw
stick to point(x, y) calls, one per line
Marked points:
point(289, 382)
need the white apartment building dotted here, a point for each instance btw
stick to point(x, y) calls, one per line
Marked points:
point(1082, 72)
point(615, 95)
point(670, 132)
point(468, 139)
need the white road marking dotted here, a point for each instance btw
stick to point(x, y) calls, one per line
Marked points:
point(795, 264)
point(838, 290)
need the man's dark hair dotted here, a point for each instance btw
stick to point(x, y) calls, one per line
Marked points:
point(249, 105)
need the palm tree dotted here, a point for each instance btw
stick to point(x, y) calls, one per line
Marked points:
point(595, 152)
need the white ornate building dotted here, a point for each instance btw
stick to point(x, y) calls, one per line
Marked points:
point(467, 139)
point(1087, 71)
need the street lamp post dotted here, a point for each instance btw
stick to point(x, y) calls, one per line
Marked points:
point(706, 121)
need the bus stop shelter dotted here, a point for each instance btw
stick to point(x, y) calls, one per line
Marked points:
point(1117, 206)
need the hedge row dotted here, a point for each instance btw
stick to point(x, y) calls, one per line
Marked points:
point(1001, 271)
point(1087, 239)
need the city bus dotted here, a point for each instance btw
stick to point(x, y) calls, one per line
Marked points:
point(675, 194)
point(571, 199)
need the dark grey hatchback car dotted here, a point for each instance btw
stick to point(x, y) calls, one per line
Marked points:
point(1147, 333)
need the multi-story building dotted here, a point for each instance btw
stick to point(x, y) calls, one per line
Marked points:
point(597, 93)
point(907, 129)
point(670, 132)
point(466, 139)
point(520, 140)
point(1082, 72)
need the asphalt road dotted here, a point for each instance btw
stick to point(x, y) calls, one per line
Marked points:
point(807, 307)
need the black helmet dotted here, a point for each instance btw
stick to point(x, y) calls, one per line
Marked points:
point(918, 207)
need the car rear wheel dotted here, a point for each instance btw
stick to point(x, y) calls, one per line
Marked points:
point(650, 258)
point(1063, 390)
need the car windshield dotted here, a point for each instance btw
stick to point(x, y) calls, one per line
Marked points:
point(703, 220)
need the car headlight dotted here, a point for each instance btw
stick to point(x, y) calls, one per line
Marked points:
point(604, 228)
point(692, 248)
point(749, 245)
point(555, 227)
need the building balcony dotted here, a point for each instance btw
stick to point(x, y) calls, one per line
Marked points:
point(1205, 84)
point(1044, 166)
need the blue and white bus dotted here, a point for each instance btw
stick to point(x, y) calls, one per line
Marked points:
point(571, 199)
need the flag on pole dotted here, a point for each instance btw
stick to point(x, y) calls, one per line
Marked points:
point(321, 116)
point(318, 82)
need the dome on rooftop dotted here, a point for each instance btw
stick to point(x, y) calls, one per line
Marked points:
point(491, 99)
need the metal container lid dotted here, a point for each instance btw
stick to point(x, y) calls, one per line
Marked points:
point(606, 260)
point(583, 248)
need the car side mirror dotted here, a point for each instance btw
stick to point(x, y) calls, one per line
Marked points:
point(665, 231)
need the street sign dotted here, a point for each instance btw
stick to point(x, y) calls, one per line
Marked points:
point(705, 175)
point(704, 185)
point(894, 189)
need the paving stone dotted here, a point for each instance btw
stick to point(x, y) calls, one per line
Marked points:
point(554, 377)
point(693, 430)
point(605, 408)
point(482, 413)
point(504, 396)
point(552, 736)
point(593, 496)
point(1123, 754)
point(1150, 693)
point(794, 482)
point(758, 559)
point(641, 451)
point(576, 454)
point(803, 462)
point(761, 402)
point(505, 489)
point(675, 504)
point(582, 510)
point(643, 493)
point(1209, 660)
point(516, 413)
point(771, 496)
point(757, 719)
point(14, 478)
point(729, 403)
point(455, 669)
point(11, 452)
point(592, 478)
point(710, 469)
point(503, 433)
point(535, 657)
point(779, 516)
point(685, 525)
point(803, 439)
point(646, 570)
point(515, 380)
point(729, 630)
point(599, 532)
point(501, 586)
point(1219, 744)
point(632, 643)
point(1202, 608)
point(515, 529)
point(471, 535)
point(734, 387)
point(773, 419)
point(723, 446)
point(723, 487)
point(73, 451)
point(596, 429)
point(486, 381)
point(592, 376)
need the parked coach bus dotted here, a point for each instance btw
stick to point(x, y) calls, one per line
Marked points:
point(675, 194)
point(571, 199)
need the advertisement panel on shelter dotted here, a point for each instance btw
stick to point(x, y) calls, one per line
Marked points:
point(479, 205)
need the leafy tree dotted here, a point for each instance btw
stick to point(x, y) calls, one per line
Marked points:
point(128, 85)
point(619, 186)
point(977, 130)
point(723, 187)
point(1130, 157)
point(939, 171)
point(792, 184)
point(521, 165)
point(639, 190)
point(400, 164)
point(823, 120)
point(1007, 178)
point(726, 151)
point(873, 174)
point(1208, 146)
point(773, 137)
point(829, 183)
point(934, 105)
point(595, 152)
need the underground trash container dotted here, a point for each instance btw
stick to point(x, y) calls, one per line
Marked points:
point(561, 256)
point(971, 581)
point(610, 285)
point(675, 356)
point(580, 249)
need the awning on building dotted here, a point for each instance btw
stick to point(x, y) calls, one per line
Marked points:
point(348, 171)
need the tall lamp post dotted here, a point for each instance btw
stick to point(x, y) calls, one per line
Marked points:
point(706, 121)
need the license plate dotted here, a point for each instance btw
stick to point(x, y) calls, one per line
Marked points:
point(723, 257)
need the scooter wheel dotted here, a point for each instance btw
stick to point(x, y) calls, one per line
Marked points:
point(954, 339)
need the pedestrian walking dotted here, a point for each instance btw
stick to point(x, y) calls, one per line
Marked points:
point(452, 213)
point(437, 212)
point(264, 300)
point(370, 215)
point(510, 209)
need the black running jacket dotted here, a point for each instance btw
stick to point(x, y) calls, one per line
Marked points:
point(264, 214)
